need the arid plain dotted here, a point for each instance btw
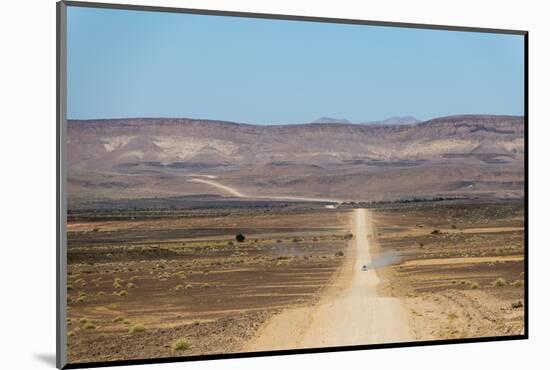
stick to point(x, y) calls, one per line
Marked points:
point(197, 237)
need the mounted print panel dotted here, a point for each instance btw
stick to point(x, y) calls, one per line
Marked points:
point(249, 184)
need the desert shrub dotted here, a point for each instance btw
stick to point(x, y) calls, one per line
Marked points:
point(179, 287)
point(240, 238)
point(499, 282)
point(205, 285)
point(83, 320)
point(89, 326)
point(130, 285)
point(123, 293)
point(126, 322)
point(95, 229)
point(189, 286)
point(474, 285)
point(348, 236)
point(117, 285)
point(339, 254)
point(138, 328)
point(452, 316)
point(518, 304)
point(279, 241)
point(81, 298)
point(517, 283)
point(101, 293)
point(70, 333)
point(118, 319)
point(180, 345)
point(435, 231)
point(69, 286)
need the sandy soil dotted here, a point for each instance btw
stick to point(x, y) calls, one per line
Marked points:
point(351, 311)
point(214, 292)
point(465, 281)
point(462, 260)
point(295, 282)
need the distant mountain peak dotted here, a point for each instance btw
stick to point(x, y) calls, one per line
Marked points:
point(331, 120)
point(398, 120)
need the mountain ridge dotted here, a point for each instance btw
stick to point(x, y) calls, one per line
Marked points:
point(147, 156)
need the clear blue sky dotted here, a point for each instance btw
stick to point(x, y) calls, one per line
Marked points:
point(125, 63)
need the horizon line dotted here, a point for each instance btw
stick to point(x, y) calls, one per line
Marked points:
point(364, 123)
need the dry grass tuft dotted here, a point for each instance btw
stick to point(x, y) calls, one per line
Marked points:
point(81, 298)
point(518, 304)
point(517, 283)
point(138, 328)
point(181, 345)
point(89, 326)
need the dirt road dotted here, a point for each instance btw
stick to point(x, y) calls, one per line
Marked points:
point(216, 184)
point(236, 193)
point(350, 312)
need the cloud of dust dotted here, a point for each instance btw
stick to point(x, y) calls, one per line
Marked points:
point(386, 259)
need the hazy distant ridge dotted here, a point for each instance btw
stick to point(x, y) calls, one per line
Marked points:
point(406, 120)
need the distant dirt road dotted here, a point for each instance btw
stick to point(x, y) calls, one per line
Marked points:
point(234, 192)
point(216, 184)
point(350, 312)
